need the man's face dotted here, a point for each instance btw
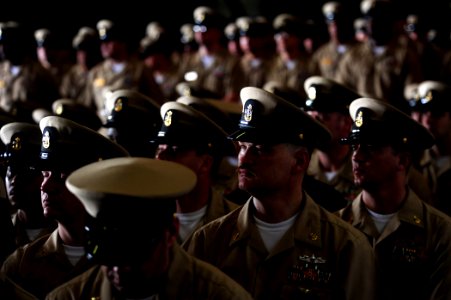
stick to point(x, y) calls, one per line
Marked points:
point(264, 168)
point(338, 124)
point(374, 165)
point(186, 156)
point(437, 122)
point(140, 278)
point(57, 201)
point(23, 187)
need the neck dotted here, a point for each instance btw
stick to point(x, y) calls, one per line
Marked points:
point(275, 208)
point(385, 200)
point(72, 233)
point(195, 200)
point(443, 146)
point(334, 159)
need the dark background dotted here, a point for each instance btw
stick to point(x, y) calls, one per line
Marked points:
point(65, 17)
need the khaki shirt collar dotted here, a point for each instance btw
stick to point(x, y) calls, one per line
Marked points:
point(307, 227)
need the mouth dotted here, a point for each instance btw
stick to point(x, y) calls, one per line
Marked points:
point(358, 171)
point(245, 173)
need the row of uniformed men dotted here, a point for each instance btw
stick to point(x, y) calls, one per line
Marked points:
point(289, 244)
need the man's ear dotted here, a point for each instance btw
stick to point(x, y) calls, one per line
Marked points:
point(207, 163)
point(405, 160)
point(173, 231)
point(302, 158)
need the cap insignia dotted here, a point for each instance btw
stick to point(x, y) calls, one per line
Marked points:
point(16, 144)
point(102, 33)
point(118, 105)
point(59, 109)
point(311, 92)
point(248, 113)
point(427, 98)
point(168, 118)
point(359, 119)
point(99, 82)
point(46, 140)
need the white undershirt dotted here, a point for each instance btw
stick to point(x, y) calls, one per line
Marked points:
point(330, 175)
point(272, 233)
point(74, 253)
point(118, 67)
point(207, 61)
point(255, 63)
point(188, 221)
point(291, 64)
point(379, 50)
point(380, 220)
point(341, 48)
point(15, 70)
point(33, 233)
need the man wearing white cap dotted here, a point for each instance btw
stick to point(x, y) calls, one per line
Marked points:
point(57, 257)
point(132, 235)
point(280, 243)
point(411, 239)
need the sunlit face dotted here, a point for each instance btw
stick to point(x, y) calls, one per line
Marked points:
point(57, 201)
point(374, 165)
point(264, 168)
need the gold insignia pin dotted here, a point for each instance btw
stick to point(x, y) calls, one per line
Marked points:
point(248, 113)
point(359, 119)
point(118, 105)
point(17, 144)
point(416, 220)
point(46, 140)
point(168, 118)
point(59, 109)
point(99, 82)
point(311, 92)
point(428, 97)
point(313, 236)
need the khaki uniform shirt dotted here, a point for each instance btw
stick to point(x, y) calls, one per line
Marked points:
point(223, 77)
point(20, 230)
point(380, 76)
point(73, 85)
point(291, 77)
point(326, 58)
point(343, 180)
point(413, 250)
point(32, 87)
point(42, 265)
point(218, 207)
point(256, 74)
point(188, 279)
point(320, 257)
point(135, 75)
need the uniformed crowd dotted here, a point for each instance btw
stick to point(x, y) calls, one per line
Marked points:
point(242, 159)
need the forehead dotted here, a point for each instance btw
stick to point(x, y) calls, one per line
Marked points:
point(268, 147)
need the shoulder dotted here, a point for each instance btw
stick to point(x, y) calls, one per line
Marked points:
point(77, 286)
point(212, 281)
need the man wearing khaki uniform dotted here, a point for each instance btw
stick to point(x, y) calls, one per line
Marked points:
point(281, 244)
point(412, 239)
